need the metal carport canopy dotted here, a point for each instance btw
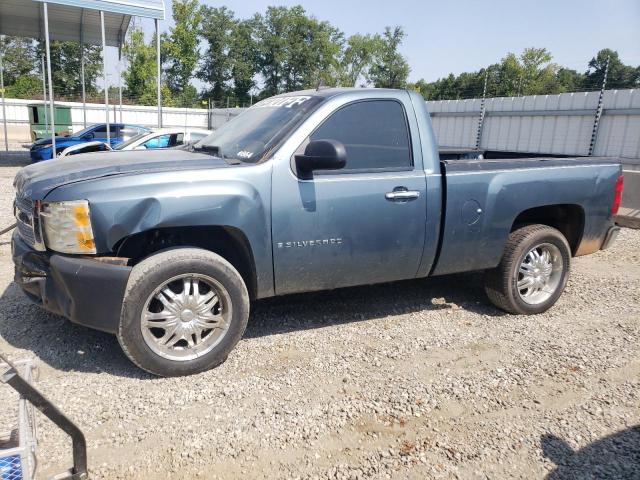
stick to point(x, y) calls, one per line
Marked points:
point(76, 20)
point(85, 21)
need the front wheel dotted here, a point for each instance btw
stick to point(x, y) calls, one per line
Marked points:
point(184, 310)
point(533, 271)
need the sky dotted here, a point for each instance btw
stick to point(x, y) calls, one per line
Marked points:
point(454, 36)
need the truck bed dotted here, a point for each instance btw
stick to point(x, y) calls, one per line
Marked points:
point(484, 198)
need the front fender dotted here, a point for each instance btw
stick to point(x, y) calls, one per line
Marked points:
point(124, 205)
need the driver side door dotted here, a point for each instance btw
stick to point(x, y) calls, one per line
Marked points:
point(347, 227)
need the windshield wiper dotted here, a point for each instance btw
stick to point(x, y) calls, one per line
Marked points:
point(213, 149)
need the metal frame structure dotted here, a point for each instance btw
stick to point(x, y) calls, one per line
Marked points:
point(97, 22)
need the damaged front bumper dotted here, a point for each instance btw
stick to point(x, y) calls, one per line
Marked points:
point(85, 290)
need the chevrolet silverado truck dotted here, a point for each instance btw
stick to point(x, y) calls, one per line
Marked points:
point(304, 191)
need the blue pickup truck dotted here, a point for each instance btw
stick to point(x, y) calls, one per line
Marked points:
point(304, 191)
point(118, 133)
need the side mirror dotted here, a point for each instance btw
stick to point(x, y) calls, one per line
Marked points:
point(321, 155)
point(88, 136)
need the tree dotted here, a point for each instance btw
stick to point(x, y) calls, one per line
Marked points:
point(18, 58)
point(26, 86)
point(65, 67)
point(243, 60)
point(390, 68)
point(180, 48)
point(357, 59)
point(295, 50)
point(218, 29)
point(140, 77)
point(568, 80)
point(620, 75)
point(538, 73)
point(141, 63)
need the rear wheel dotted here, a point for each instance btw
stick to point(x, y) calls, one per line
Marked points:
point(184, 311)
point(533, 271)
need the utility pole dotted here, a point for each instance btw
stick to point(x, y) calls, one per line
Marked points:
point(482, 111)
point(596, 122)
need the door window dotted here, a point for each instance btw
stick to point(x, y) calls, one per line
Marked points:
point(161, 141)
point(165, 141)
point(374, 133)
point(100, 133)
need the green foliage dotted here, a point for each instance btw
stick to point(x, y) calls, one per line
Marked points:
point(390, 69)
point(18, 58)
point(65, 67)
point(218, 30)
point(26, 86)
point(180, 46)
point(295, 51)
point(532, 73)
point(243, 60)
point(140, 76)
point(357, 58)
point(620, 75)
point(281, 50)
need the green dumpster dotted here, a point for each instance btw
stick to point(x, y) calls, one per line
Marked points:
point(41, 125)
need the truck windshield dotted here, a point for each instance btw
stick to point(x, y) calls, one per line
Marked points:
point(253, 134)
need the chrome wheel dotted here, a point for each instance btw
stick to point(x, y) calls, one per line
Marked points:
point(186, 317)
point(540, 273)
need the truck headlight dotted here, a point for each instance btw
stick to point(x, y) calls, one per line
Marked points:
point(67, 226)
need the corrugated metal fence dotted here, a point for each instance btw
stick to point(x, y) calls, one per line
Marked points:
point(551, 124)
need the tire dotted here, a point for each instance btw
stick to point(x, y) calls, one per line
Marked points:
point(502, 282)
point(146, 292)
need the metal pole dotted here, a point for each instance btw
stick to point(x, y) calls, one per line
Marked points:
point(82, 79)
point(120, 89)
point(4, 110)
point(104, 71)
point(158, 74)
point(51, 100)
point(596, 122)
point(44, 96)
point(482, 111)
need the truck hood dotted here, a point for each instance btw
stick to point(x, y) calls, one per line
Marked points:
point(37, 180)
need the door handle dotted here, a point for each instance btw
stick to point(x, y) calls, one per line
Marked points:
point(402, 195)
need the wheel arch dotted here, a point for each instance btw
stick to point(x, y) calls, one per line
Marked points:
point(569, 219)
point(229, 242)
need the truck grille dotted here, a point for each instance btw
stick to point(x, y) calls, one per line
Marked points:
point(24, 212)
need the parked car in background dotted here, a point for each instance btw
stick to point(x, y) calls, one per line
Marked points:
point(162, 138)
point(118, 133)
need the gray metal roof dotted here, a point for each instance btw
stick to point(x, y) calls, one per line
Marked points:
point(68, 18)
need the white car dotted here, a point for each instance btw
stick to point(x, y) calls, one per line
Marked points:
point(161, 138)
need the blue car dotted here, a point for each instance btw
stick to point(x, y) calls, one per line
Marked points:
point(118, 133)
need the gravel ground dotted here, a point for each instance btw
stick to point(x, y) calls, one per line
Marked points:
point(418, 379)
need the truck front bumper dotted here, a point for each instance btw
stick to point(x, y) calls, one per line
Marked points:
point(87, 291)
